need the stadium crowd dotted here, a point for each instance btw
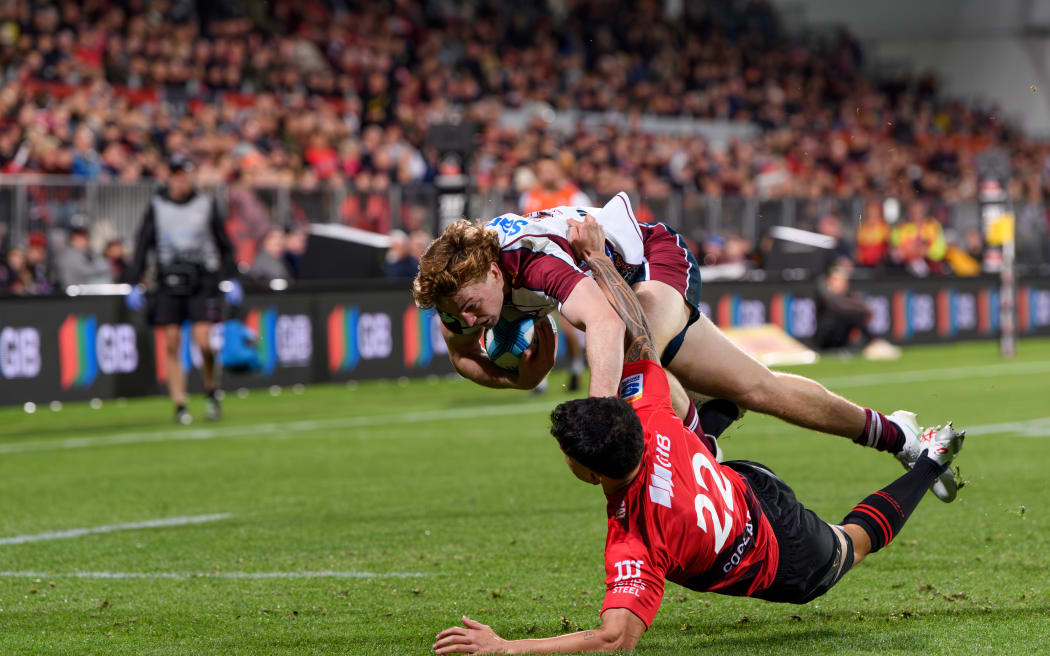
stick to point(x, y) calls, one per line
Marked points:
point(323, 94)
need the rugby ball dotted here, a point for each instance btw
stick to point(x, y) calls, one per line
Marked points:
point(508, 340)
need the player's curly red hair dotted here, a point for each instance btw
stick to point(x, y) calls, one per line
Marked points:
point(461, 255)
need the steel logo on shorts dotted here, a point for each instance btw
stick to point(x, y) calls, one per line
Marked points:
point(631, 387)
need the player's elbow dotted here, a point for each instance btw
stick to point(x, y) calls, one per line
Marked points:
point(619, 640)
point(609, 324)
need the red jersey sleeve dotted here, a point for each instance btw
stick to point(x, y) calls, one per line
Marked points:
point(643, 384)
point(632, 581)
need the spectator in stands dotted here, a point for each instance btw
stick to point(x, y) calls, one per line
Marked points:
point(78, 265)
point(873, 236)
point(114, 256)
point(295, 241)
point(974, 244)
point(713, 251)
point(400, 262)
point(12, 272)
point(933, 239)
point(418, 242)
point(86, 161)
point(315, 100)
point(552, 189)
point(19, 277)
point(831, 226)
point(367, 207)
point(907, 249)
point(36, 264)
point(960, 262)
point(269, 258)
point(736, 250)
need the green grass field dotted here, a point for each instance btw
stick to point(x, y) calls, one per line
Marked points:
point(414, 504)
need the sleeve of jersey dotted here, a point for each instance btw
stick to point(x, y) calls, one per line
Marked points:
point(540, 265)
point(632, 582)
point(643, 384)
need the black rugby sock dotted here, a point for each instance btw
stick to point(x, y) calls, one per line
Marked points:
point(882, 514)
point(692, 422)
point(716, 415)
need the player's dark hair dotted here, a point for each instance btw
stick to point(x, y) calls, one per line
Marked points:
point(601, 433)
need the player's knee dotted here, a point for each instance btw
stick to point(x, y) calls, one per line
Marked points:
point(172, 343)
point(758, 393)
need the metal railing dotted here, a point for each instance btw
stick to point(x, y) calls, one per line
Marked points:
point(53, 204)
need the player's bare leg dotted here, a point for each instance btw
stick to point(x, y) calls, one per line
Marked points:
point(667, 315)
point(664, 309)
point(176, 376)
point(711, 364)
point(202, 338)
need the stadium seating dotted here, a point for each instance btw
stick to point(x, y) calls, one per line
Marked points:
point(106, 92)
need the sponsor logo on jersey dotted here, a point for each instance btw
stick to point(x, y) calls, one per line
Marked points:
point(507, 225)
point(628, 578)
point(661, 485)
point(631, 387)
point(539, 214)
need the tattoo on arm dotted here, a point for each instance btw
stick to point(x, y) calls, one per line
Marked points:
point(638, 337)
point(588, 635)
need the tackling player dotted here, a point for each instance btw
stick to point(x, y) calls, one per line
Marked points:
point(523, 266)
point(676, 514)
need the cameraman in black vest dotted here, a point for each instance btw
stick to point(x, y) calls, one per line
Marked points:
point(193, 255)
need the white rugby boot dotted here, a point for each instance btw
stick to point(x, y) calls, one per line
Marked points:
point(917, 440)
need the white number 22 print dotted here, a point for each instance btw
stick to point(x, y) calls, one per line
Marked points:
point(703, 502)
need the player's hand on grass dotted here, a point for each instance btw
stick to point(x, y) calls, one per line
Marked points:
point(538, 359)
point(471, 638)
point(586, 238)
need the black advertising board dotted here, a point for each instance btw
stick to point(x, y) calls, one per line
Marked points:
point(70, 349)
point(87, 347)
point(904, 311)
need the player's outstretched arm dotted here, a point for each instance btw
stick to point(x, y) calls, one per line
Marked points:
point(588, 241)
point(587, 309)
point(464, 351)
point(620, 630)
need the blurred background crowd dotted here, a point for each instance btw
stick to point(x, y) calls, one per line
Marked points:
point(339, 95)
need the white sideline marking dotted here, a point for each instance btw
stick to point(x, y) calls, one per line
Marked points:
point(110, 528)
point(930, 375)
point(1037, 427)
point(278, 429)
point(215, 575)
point(286, 429)
point(1027, 428)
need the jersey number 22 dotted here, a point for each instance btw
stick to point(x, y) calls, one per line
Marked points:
point(703, 503)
